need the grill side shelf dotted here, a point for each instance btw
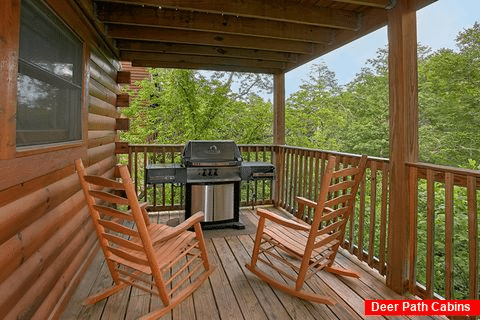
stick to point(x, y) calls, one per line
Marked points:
point(165, 173)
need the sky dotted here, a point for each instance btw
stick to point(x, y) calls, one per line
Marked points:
point(437, 26)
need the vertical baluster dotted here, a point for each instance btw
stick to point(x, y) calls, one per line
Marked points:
point(413, 208)
point(311, 172)
point(291, 178)
point(295, 177)
point(448, 235)
point(264, 159)
point(162, 160)
point(317, 173)
point(361, 219)
point(130, 159)
point(300, 182)
point(286, 178)
point(430, 232)
point(182, 187)
point(472, 237)
point(383, 218)
point(305, 173)
point(145, 160)
point(172, 187)
point(280, 174)
point(373, 202)
point(136, 170)
point(247, 200)
point(154, 159)
point(256, 182)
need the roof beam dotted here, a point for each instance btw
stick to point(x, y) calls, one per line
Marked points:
point(374, 20)
point(279, 10)
point(371, 3)
point(188, 20)
point(206, 66)
point(190, 59)
point(207, 38)
point(211, 51)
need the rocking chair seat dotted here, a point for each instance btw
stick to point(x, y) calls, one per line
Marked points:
point(292, 241)
point(171, 248)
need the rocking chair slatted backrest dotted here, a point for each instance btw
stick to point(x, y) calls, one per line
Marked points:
point(335, 205)
point(313, 246)
point(120, 231)
point(140, 253)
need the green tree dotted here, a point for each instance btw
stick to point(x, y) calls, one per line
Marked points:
point(313, 115)
point(179, 105)
point(449, 98)
point(366, 99)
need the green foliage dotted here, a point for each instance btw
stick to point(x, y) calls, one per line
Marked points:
point(180, 105)
point(313, 117)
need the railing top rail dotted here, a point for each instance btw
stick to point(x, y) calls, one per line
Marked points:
point(420, 165)
point(156, 145)
point(336, 153)
point(445, 169)
point(182, 145)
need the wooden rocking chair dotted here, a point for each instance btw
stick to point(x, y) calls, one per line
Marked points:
point(308, 248)
point(170, 262)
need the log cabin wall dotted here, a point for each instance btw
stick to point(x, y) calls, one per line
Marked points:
point(46, 237)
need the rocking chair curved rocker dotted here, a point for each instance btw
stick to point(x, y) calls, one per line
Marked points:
point(170, 262)
point(308, 248)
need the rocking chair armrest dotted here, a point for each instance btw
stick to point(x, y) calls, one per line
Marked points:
point(182, 227)
point(305, 201)
point(140, 204)
point(302, 203)
point(281, 220)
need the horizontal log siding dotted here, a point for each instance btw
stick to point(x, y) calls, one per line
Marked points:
point(46, 237)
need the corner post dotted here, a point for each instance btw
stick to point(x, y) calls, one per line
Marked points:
point(402, 61)
point(278, 132)
point(9, 53)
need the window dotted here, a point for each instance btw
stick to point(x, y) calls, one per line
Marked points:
point(49, 90)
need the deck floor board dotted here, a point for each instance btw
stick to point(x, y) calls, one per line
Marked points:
point(232, 292)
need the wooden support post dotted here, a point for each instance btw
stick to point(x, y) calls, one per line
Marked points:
point(279, 109)
point(278, 131)
point(402, 62)
point(9, 39)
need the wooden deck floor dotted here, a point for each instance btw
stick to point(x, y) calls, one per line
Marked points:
point(232, 292)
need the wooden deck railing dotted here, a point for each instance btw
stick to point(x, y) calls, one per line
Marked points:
point(443, 214)
point(444, 250)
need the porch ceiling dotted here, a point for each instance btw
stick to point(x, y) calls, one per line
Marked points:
point(267, 36)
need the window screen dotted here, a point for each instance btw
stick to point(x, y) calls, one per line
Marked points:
point(49, 79)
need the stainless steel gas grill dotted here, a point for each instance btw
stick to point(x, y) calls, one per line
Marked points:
point(212, 172)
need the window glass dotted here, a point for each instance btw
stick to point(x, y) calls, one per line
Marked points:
point(49, 79)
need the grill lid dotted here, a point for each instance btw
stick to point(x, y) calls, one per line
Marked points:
point(211, 153)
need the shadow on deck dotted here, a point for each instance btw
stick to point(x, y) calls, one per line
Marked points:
point(232, 292)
